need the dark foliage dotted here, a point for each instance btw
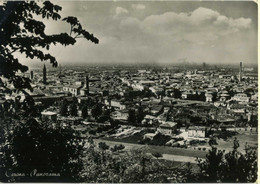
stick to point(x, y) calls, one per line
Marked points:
point(30, 146)
point(84, 111)
point(131, 116)
point(159, 140)
point(96, 110)
point(140, 115)
point(21, 32)
point(104, 117)
point(157, 155)
point(35, 147)
point(229, 168)
point(224, 134)
point(117, 148)
point(64, 108)
point(103, 146)
point(199, 97)
point(176, 93)
point(74, 108)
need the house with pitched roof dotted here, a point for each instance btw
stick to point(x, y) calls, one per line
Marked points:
point(167, 128)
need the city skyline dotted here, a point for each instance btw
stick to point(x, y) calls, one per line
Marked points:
point(165, 32)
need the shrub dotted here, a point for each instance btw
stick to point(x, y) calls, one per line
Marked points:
point(33, 146)
point(157, 154)
point(233, 167)
point(93, 132)
point(117, 148)
point(103, 146)
point(159, 139)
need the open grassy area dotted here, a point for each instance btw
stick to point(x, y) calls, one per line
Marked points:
point(243, 137)
point(129, 139)
point(180, 165)
point(252, 140)
point(177, 151)
point(159, 149)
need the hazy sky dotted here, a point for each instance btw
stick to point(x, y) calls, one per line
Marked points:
point(160, 32)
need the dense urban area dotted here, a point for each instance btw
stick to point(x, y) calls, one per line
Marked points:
point(173, 113)
point(186, 107)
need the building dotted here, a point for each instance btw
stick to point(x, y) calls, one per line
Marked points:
point(120, 115)
point(167, 128)
point(85, 90)
point(148, 119)
point(197, 132)
point(73, 89)
point(241, 97)
point(79, 88)
point(116, 104)
point(208, 97)
point(254, 98)
point(49, 116)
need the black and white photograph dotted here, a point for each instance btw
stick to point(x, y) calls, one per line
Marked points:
point(128, 91)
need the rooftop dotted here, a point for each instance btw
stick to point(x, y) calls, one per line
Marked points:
point(49, 113)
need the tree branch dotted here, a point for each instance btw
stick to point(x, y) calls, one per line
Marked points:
point(76, 36)
point(14, 50)
point(71, 29)
point(79, 37)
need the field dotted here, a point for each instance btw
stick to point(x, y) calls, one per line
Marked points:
point(243, 137)
point(181, 154)
point(169, 153)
